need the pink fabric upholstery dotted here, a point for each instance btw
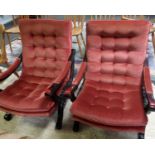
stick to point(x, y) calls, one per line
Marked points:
point(116, 51)
point(110, 104)
point(46, 49)
point(112, 91)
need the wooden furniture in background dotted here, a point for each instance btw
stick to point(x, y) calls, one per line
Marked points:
point(15, 28)
point(3, 54)
point(133, 17)
point(102, 17)
point(77, 28)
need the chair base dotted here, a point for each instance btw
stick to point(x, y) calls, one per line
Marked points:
point(8, 117)
point(73, 98)
point(58, 125)
point(141, 135)
point(76, 126)
point(61, 105)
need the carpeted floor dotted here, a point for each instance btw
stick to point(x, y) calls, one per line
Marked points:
point(43, 127)
point(7, 135)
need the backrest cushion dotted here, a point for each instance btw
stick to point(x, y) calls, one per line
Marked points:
point(116, 51)
point(46, 46)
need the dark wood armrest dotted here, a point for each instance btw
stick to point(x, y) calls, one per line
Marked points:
point(148, 87)
point(51, 90)
point(77, 80)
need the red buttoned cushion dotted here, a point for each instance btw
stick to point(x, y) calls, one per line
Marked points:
point(27, 95)
point(46, 46)
point(110, 104)
point(46, 49)
point(115, 54)
point(116, 51)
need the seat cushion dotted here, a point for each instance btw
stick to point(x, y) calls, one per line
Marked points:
point(110, 104)
point(27, 95)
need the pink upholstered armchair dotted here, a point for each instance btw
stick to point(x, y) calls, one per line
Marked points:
point(116, 81)
point(45, 66)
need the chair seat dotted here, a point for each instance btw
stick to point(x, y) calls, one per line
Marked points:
point(76, 31)
point(27, 95)
point(110, 104)
point(14, 29)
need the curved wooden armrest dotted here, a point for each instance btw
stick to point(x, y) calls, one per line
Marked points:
point(77, 79)
point(151, 102)
point(63, 74)
point(12, 68)
point(52, 89)
point(148, 88)
point(147, 81)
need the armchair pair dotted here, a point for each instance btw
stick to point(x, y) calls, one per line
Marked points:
point(115, 76)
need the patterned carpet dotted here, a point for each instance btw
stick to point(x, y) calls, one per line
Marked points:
point(44, 127)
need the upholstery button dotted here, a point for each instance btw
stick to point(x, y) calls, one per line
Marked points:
point(33, 46)
point(54, 47)
point(131, 34)
point(31, 34)
point(102, 48)
point(54, 35)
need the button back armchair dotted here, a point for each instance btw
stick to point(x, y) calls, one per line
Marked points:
point(45, 65)
point(116, 81)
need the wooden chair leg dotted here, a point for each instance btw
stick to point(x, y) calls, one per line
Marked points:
point(79, 44)
point(83, 40)
point(9, 40)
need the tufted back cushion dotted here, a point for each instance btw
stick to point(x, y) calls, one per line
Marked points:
point(116, 51)
point(46, 46)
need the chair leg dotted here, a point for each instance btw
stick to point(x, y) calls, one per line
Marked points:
point(83, 40)
point(8, 117)
point(147, 109)
point(9, 40)
point(141, 135)
point(76, 126)
point(73, 97)
point(60, 113)
point(79, 44)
